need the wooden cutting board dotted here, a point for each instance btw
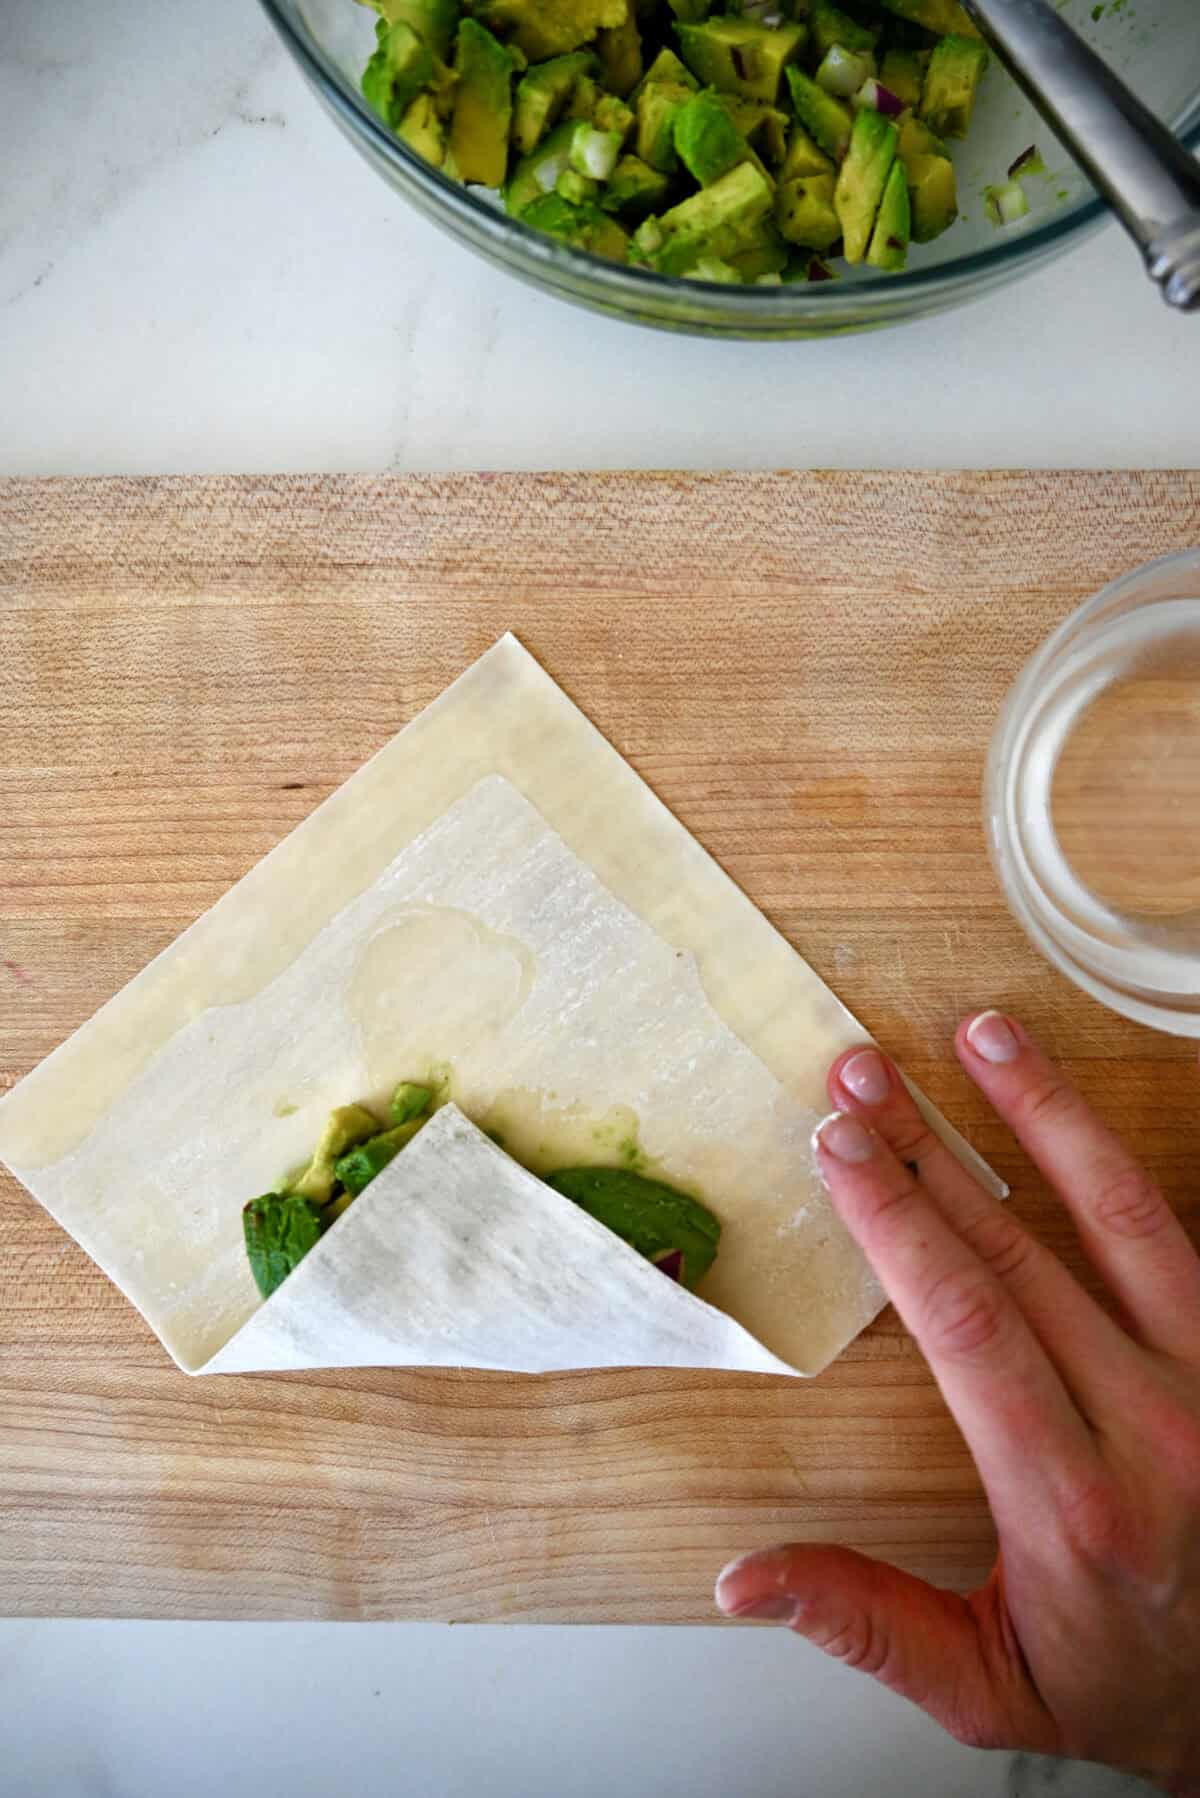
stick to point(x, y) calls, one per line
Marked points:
point(806, 668)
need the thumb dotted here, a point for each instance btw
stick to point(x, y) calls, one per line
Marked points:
point(922, 1643)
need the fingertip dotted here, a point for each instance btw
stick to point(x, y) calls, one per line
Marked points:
point(749, 1578)
point(863, 1076)
point(989, 1038)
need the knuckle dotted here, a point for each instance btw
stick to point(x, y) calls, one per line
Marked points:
point(1045, 1104)
point(859, 1642)
point(906, 1133)
point(1002, 1245)
point(1126, 1202)
point(964, 1314)
point(1097, 1524)
point(978, 1732)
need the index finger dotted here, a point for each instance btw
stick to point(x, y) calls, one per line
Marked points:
point(1004, 1392)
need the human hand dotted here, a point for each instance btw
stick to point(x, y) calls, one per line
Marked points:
point(1085, 1640)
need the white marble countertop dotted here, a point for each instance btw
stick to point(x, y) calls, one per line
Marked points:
point(197, 275)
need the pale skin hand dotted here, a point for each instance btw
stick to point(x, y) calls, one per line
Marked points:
point(1085, 1640)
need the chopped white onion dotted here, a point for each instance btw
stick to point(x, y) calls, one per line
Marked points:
point(594, 153)
point(1006, 204)
point(547, 172)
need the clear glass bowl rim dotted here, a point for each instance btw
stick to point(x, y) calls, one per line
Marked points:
point(630, 288)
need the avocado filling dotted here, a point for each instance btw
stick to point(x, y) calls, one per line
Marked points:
point(718, 143)
point(670, 1228)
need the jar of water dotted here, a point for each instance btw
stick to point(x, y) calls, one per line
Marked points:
point(1093, 796)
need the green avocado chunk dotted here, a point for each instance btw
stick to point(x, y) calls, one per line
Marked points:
point(932, 195)
point(434, 21)
point(635, 189)
point(542, 96)
point(653, 1218)
point(903, 71)
point(348, 1125)
point(720, 222)
point(482, 118)
point(359, 1167)
point(543, 28)
point(829, 25)
point(665, 87)
point(893, 224)
point(740, 57)
point(939, 16)
point(952, 85)
point(584, 227)
point(805, 213)
point(804, 157)
point(823, 115)
point(279, 1229)
point(861, 180)
point(423, 130)
point(409, 1101)
point(707, 140)
point(397, 72)
point(620, 53)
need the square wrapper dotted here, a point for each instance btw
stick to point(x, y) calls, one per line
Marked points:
point(497, 891)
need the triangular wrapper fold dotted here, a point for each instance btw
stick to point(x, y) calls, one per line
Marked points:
point(455, 1256)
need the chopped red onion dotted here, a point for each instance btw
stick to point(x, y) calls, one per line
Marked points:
point(671, 1264)
point(1007, 204)
point(872, 93)
point(1029, 162)
point(818, 271)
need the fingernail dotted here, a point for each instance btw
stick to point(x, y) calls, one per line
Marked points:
point(992, 1037)
point(866, 1076)
point(845, 1138)
point(770, 1610)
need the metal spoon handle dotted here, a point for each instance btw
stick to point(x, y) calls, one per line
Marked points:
point(1145, 174)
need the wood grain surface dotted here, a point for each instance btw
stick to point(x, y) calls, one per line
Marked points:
point(806, 668)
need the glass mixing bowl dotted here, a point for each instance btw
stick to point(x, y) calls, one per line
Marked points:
point(1155, 45)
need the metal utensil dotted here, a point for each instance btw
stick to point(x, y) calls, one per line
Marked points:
point(1147, 177)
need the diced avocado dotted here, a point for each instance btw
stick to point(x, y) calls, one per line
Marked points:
point(658, 103)
point(932, 195)
point(916, 139)
point(939, 16)
point(821, 114)
point(893, 223)
point(666, 71)
point(861, 179)
point(952, 84)
point(804, 158)
point(482, 118)
point(739, 56)
point(423, 131)
point(612, 114)
point(711, 268)
point(279, 1230)
point(434, 21)
point(605, 111)
point(635, 189)
point(542, 95)
point(584, 227)
point(765, 128)
point(829, 25)
point(706, 139)
point(543, 28)
point(653, 1218)
point(577, 188)
point(410, 1100)
point(538, 173)
point(720, 221)
point(359, 1166)
point(805, 213)
point(903, 71)
point(348, 1125)
point(620, 53)
point(397, 72)
point(768, 256)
